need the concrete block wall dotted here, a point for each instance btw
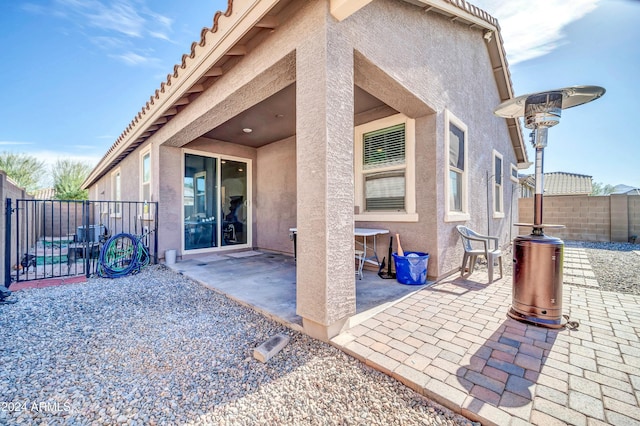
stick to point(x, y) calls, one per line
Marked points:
point(8, 190)
point(619, 218)
point(603, 218)
point(634, 215)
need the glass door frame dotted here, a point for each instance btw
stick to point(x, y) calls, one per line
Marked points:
point(249, 226)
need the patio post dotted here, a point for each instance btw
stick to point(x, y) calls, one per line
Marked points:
point(324, 155)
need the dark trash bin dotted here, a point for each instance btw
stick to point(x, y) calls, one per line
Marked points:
point(412, 267)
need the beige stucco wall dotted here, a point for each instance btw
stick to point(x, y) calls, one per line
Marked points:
point(275, 202)
point(455, 74)
point(130, 185)
point(324, 152)
point(169, 190)
point(130, 179)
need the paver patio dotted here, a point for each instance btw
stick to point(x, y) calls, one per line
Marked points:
point(454, 343)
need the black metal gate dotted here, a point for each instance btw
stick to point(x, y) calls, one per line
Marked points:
point(61, 238)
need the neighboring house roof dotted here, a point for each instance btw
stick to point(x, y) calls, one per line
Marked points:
point(527, 180)
point(625, 189)
point(560, 183)
point(215, 54)
point(44, 194)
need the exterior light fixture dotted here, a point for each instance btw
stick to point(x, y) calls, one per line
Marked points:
point(247, 130)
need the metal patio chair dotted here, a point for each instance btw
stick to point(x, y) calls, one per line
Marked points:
point(472, 249)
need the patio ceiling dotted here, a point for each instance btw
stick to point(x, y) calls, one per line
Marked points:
point(274, 118)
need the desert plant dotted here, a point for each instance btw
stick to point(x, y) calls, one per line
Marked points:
point(68, 176)
point(26, 170)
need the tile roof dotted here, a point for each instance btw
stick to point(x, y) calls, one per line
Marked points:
point(625, 189)
point(44, 194)
point(158, 94)
point(561, 183)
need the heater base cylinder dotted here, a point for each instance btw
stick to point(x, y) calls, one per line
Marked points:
point(537, 280)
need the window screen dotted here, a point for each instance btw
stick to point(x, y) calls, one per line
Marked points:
point(456, 147)
point(498, 171)
point(385, 191)
point(384, 149)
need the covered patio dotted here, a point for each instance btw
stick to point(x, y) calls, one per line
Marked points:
point(266, 281)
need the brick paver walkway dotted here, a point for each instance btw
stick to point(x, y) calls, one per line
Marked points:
point(454, 343)
point(577, 269)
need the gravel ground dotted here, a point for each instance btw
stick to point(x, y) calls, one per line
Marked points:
point(157, 348)
point(616, 266)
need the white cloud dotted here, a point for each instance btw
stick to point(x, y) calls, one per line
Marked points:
point(114, 26)
point(109, 43)
point(14, 143)
point(132, 58)
point(534, 28)
point(50, 157)
point(160, 35)
point(127, 17)
point(34, 8)
point(120, 17)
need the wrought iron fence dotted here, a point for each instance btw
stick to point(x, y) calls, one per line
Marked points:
point(59, 238)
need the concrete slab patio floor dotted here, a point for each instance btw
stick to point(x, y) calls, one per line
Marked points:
point(453, 343)
point(267, 282)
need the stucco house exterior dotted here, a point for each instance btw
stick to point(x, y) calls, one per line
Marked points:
point(325, 115)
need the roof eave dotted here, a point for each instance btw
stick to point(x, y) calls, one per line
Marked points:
point(471, 15)
point(215, 42)
point(247, 14)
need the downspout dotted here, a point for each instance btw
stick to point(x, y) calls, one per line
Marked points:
point(513, 185)
point(488, 206)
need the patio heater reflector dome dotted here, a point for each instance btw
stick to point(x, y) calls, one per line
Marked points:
point(537, 258)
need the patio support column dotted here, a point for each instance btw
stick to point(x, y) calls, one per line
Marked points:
point(324, 149)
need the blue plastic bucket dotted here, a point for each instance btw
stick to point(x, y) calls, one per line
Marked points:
point(412, 267)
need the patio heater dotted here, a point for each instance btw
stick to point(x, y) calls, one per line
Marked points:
point(537, 258)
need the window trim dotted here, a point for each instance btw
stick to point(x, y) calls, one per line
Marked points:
point(143, 154)
point(116, 193)
point(511, 176)
point(410, 214)
point(498, 214)
point(454, 216)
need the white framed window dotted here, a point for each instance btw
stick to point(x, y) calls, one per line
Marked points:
point(514, 174)
point(456, 169)
point(116, 192)
point(498, 197)
point(145, 175)
point(385, 170)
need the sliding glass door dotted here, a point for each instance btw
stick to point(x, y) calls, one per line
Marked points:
point(233, 210)
point(215, 201)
